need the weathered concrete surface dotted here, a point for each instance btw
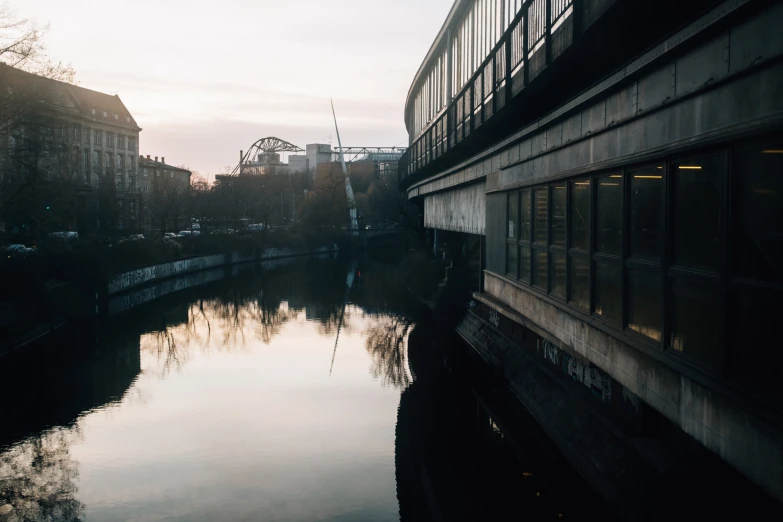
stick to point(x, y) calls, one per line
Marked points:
point(135, 278)
point(747, 442)
point(461, 210)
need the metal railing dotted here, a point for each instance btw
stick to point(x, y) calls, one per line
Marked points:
point(517, 58)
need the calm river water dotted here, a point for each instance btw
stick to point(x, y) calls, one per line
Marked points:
point(282, 393)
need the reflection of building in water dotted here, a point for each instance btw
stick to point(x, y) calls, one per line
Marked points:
point(53, 384)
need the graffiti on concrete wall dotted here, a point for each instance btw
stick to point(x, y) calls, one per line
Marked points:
point(595, 379)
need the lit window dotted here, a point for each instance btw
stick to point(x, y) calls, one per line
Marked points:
point(609, 232)
point(645, 280)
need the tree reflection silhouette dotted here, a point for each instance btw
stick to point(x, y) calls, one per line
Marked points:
point(386, 344)
point(38, 480)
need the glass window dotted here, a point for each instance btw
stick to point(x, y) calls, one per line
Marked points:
point(644, 303)
point(540, 262)
point(759, 247)
point(559, 215)
point(580, 215)
point(697, 212)
point(513, 215)
point(580, 282)
point(524, 230)
point(697, 322)
point(540, 217)
point(646, 213)
point(524, 263)
point(607, 291)
point(755, 312)
point(512, 264)
point(559, 273)
point(609, 214)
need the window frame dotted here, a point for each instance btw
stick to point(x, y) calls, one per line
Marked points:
point(537, 245)
point(717, 279)
point(573, 252)
point(724, 287)
point(600, 258)
point(631, 263)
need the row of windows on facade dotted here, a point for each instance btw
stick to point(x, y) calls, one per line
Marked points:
point(652, 251)
point(106, 114)
point(474, 40)
point(100, 138)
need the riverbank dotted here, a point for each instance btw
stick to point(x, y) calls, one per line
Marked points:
point(67, 282)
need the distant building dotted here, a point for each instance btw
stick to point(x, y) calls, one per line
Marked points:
point(164, 190)
point(317, 154)
point(298, 164)
point(85, 138)
point(271, 163)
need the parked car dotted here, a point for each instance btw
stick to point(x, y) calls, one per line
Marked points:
point(184, 233)
point(135, 237)
point(64, 236)
point(196, 233)
point(195, 226)
point(169, 235)
point(17, 250)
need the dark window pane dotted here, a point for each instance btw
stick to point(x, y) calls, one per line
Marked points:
point(697, 322)
point(754, 314)
point(580, 215)
point(644, 302)
point(559, 214)
point(512, 260)
point(524, 263)
point(580, 282)
point(609, 214)
point(760, 212)
point(513, 215)
point(697, 211)
point(559, 274)
point(646, 214)
point(607, 291)
point(524, 229)
point(540, 210)
point(540, 268)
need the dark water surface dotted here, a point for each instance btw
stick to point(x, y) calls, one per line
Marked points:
point(283, 394)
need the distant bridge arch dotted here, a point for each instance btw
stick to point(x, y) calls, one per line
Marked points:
point(269, 144)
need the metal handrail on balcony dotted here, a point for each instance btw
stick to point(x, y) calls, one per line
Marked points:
point(501, 76)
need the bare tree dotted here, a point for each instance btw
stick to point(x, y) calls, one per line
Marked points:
point(22, 46)
point(168, 202)
point(35, 169)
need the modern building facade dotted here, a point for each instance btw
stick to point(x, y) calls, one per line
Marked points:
point(623, 164)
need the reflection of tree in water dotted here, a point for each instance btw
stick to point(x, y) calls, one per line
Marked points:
point(258, 306)
point(38, 480)
point(386, 344)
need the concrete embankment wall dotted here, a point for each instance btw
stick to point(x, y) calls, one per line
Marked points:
point(142, 276)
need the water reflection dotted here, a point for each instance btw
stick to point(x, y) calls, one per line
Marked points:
point(299, 392)
point(38, 480)
point(386, 344)
point(122, 423)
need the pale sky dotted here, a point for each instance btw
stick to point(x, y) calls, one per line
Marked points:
point(204, 79)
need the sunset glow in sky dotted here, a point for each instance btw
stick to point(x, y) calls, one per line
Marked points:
point(205, 79)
